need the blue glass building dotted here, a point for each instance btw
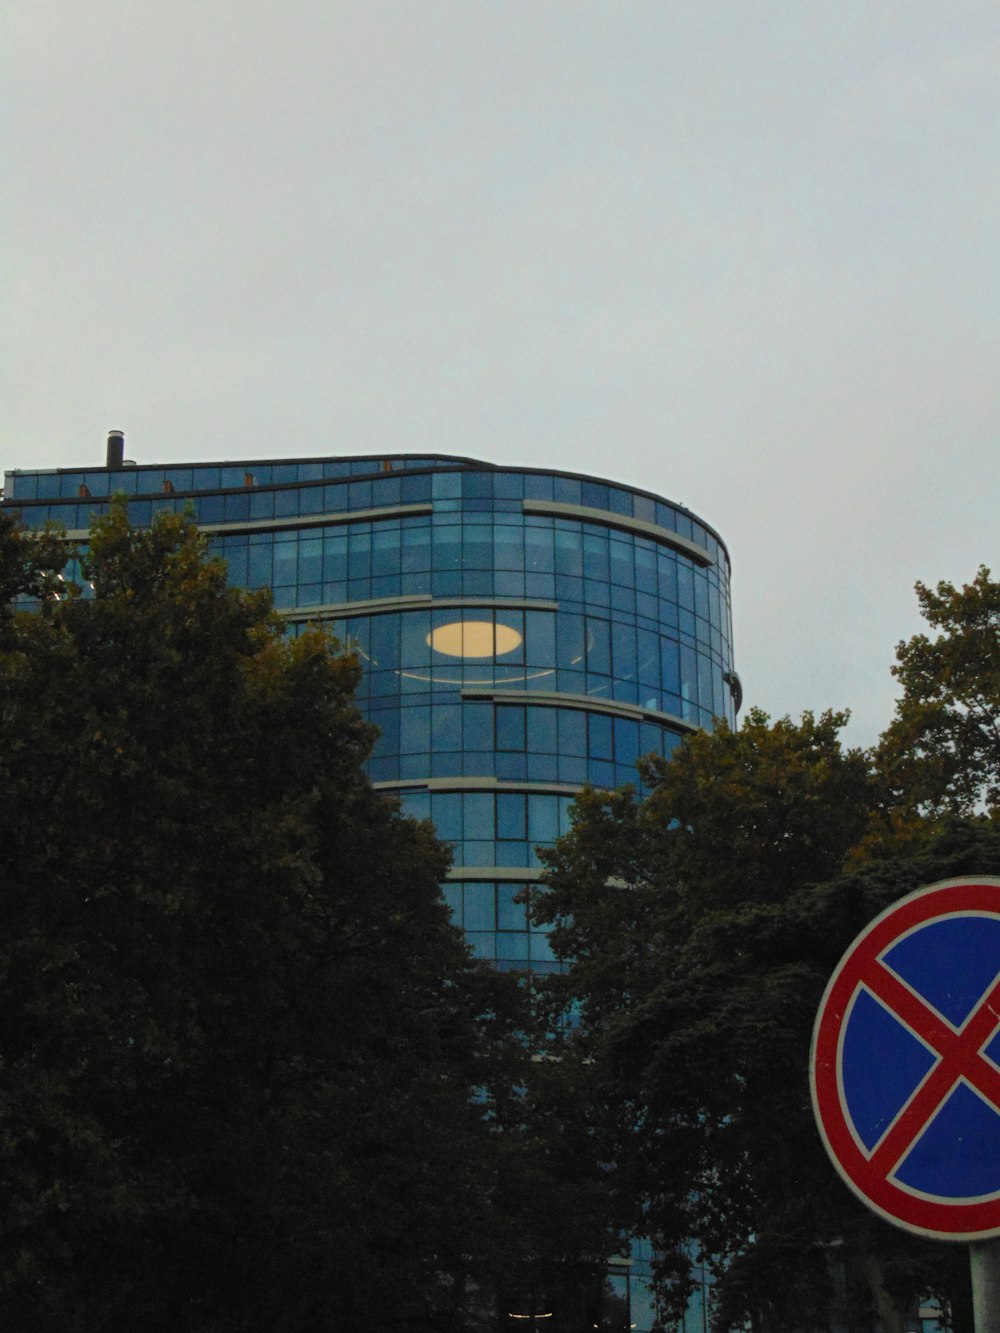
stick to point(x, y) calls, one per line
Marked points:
point(523, 631)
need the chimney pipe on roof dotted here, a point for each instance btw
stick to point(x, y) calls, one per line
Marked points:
point(116, 449)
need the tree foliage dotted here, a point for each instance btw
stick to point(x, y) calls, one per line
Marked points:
point(31, 565)
point(701, 922)
point(941, 753)
point(672, 907)
point(249, 1077)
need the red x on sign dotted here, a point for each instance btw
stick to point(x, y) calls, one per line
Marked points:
point(905, 1066)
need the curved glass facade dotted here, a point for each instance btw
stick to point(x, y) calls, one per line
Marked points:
point(522, 632)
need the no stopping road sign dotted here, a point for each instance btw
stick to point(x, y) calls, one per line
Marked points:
point(905, 1064)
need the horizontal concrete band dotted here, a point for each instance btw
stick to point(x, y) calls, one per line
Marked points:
point(639, 527)
point(377, 606)
point(541, 508)
point(587, 701)
point(380, 515)
point(479, 784)
point(495, 872)
point(341, 516)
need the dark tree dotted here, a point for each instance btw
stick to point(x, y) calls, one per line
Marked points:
point(941, 753)
point(249, 1075)
point(703, 922)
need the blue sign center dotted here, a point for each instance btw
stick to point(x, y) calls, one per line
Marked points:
point(951, 963)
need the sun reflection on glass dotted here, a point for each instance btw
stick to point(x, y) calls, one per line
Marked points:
point(474, 638)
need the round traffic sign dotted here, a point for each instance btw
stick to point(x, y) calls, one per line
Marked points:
point(905, 1063)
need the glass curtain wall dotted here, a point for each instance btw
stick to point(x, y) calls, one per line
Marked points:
point(522, 632)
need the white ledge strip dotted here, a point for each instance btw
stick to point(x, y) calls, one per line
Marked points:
point(587, 701)
point(639, 526)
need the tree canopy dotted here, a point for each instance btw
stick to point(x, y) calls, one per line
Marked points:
point(701, 922)
point(249, 1076)
point(941, 752)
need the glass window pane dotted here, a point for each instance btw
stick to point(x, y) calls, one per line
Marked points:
point(540, 638)
point(510, 727)
point(416, 804)
point(237, 507)
point(478, 815)
point(541, 730)
point(512, 855)
point(446, 811)
point(650, 739)
point(705, 682)
point(480, 912)
point(414, 650)
point(572, 768)
point(543, 768)
point(512, 915)
point(538, 546)
point(626, 741)
point(259, 566)
point(510, 815)
point(649, 658)
point(509, 546)
point(477, 547)
point(310, 559)
point(475, 853)
point(448, 546)
point(594, 494)
point(447, 485)
point(416, 490)
point(598, 646)
point(383, 641)
point(685, 585)
point(670, 666)
point(689, 681)
point(567, 490)
point(701, 594)
point(645, 566)
point(477, 720)
point(508, 485)
point(511, 767)
point(569, 551)
point(596, 558)
point(385, 549)
point(513, 620)
point(570, 641)
point(415, 733)
point(416, 549)
point(599, 744)
point(622, 564)
point(446, 726)
point(572, 732)
point(623, 653)
point(543, 819)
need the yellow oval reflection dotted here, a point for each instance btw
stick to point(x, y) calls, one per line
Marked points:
point(474, 638)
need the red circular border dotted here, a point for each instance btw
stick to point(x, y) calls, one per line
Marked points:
point(944, 1221)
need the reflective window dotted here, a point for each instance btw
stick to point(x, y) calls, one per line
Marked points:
point(635, 622)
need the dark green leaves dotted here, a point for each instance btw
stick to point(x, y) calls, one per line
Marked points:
point(941, 753)
point(243, 1058)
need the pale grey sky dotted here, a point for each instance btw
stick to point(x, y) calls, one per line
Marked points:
point(745, 253)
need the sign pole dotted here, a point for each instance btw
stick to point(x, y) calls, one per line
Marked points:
point(984, 1261)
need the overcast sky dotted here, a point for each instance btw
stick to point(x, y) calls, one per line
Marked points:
point(744, 253)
